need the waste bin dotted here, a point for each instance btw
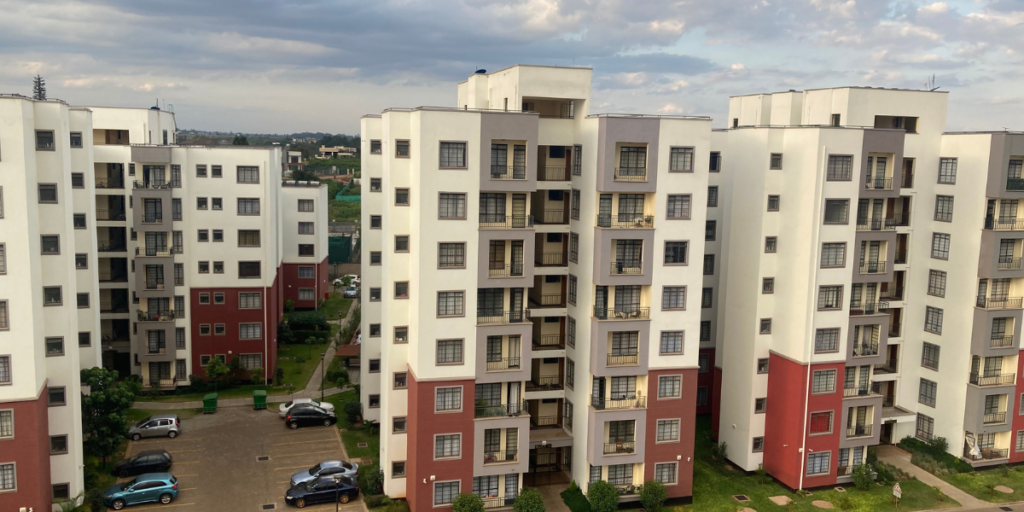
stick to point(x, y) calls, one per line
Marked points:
point(259, 399)
point(210, 403)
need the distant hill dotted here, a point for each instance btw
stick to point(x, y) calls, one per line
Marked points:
point(308, 149)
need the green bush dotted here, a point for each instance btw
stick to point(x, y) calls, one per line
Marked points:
point(844, 502)
point(529, 500)
point(285, 334)
point(304, 336)
point(308, 321)
point(940, 444)
point(289, 305)
point(94, 498)
point(371, 480)
point(862, 477)
point(653, 495)
point(935, 451)
point(352, 411)
point(574, 499)
point(374, 500)
point(603, 496)
point(467, 503)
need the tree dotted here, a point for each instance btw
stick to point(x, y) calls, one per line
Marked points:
point(603, 496)
point(468, 503)
point(240, 140)
point(529, 500)
point(38, 88)
point(862, 477)
point(653, 495)
point(216, 369)
point(299, 175)
point(105, 410)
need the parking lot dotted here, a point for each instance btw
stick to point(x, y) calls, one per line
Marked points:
point(218, 460)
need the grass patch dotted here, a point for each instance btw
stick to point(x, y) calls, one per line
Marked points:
point(336, 306)
point(355, 435)
point(343, 211)
point(978, 484)
point(97, 474)
point(298, 373)
point(714, 485)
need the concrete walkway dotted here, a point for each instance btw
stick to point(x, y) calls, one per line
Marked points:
point(890, 454)
point(552, 498)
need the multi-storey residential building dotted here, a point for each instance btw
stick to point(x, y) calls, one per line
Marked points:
point(837, 265)
point(527, 314)
point(101, 212)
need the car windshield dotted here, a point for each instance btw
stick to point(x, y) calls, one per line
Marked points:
point(314, 403)
point(288, 405)
point(346, 465)
point(127, 484)
point(314, 470)
point(143, 421)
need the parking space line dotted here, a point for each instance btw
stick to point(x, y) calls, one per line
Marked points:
point(178, 439)
point(295, 432)
point(163, 506)
point(346, 507)
point(291, 467)
point(188, 462)
point(190, 489)
point(193, 474)
point(301, 442)
point(308, 453)
point(186, 451)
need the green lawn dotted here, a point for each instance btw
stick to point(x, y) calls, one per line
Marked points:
point(355, 435)
point(714, 485)
point(343, 211)
point(298, 373)
point(336, 306)
point(976, 484)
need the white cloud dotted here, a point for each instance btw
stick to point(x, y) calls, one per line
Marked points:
point(936, 8)
point(233, 42)
point(670, 108)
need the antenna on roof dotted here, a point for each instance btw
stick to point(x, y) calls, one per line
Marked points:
point(930, 84)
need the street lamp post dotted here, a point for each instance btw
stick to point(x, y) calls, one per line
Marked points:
point(337, 491)
point(322, 357)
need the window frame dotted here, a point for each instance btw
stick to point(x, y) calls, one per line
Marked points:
point(831, 423)
point(441, 153)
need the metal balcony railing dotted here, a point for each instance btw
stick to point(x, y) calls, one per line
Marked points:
point(107, 276)
point(999, 302)
point(552, 383)
point(1006, 263)
point(890, 366)
point(1001, 379)
point(152, 185)
point(108, 183)
point(878, 184)
point(510, 172)
point(505, 317)
point(1004, 224)
point(497, 457)
point(867, 308)
point(495, 502)
point(505, 271)
point(888, 401)
point(848, 392)
point(987, 453)
point(548, 342)
point(625, 220)
point(551, 259)
point(864, 224)
point(153, 285)
point(491, 220)
point(995, 418)
point(1001, 341)
point(631, 174)
point(1014, 184)
point(500, 410)
point(892, 292)
point(508, 363)
point(872, 267)
point(111, 215)
point(622, 447)
point(901, 257)
point(554, 173)
point(623, 360)
point(553, 216)
point(152, 219)
point(543, 421)
point(162, 316)
point(627, 268)
point(552, 300)
point(898, 220)
point(111, 247)
point(865, 349)
point(859, 431)
point(622, 313)
point(614, 403)
point(153, 252)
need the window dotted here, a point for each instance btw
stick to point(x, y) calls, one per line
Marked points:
point(926, 392)
point(204, 329)
point(307, 272)
point(937, 283)
point(398, 469)
point(445, 492)
point(676, 253)
point(401, 335)
point(216, 171)
point(374, 294)
point(712, 197)
point(306, 228)
point(55, 397)
point(6, 424)
point(944, 208)
point(705, 330)
point(77, 180)
point(176, 213)
point(758, 445)
point(770, 244)
point(452, 206)
point(573, 283)
point(402, 149)
point(824, 381)
point(679, 206)
point(673, 297)
point(930, 356)
point(248, 238)
point(204, 267)
point(218, 235)
point(821, 423)
point(401, 197)
point(709, 264)
point(248, 206)
point(307, 294)
point(8, 477)
point(818, 463)
point(826, 340)
point(768, 285)
point(1020, 442)
point(399, 426)
point(52, 296)
point(574, 204)
point(402, 290)
point(201, 203)
point(933, 320)
point(375, 257)
point(401, 380)
point(84, 339)
point(830, 297)
point(375, 147)
point(250, 331)
point(402, 243)
point(218, 267)
point(710, 229)
point(54, 347)
point(672, 342)
point(940, 246)
point(670, 386)
point(574, 247)
point(83, 300)
point(776, 161)
point(200, 171)
point(453, 155)
point(449, 352)
point(50, 244)
point(451, 255)
point(760, 405)
point(246, 174)
point(947, 170)
point(840, 168)
point(773, 203)
point(925, 427)
point(620, 474)
point(47, 193)
point(762, 365)
point(681, 160)
point(58, 445)
point(375, 221)
point(833, 254)
point(706, 296)
point(218, 330)
point(3, 259)
point(837, 211)
point(5, 369)
point(179, 337)
point(45, 140)
point(715, 162)
point(248, 269)
point(766, 326)
point(448, 399)
point(374, 330)
point(450, 303)
point(218, 203)
point(203, 235)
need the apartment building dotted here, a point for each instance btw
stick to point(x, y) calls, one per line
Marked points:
point(527, 316)
point(112, 247)
point(837, 265)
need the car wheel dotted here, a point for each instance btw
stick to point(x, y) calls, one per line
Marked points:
point(172, 434)
point(301, 503)
point(293, 425)
point(327, 422)
point(344, 498)
point(136, 437)
point(123, 474)
point(117, 504)
point(165, 498)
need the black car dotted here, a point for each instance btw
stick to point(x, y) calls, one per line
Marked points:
point(149, 461)
point(305, 416)
point(322, 490)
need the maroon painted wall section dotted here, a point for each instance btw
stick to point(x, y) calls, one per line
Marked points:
point(1018, 420)
point(716, 402)
point(423, 425)
point(707, 380)
point(291, 282)
point(229, 315)
point(274, 316)
point(681, 452)
point(784, 422)
point(30, 450)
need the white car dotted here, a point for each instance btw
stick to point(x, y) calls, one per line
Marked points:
point(303, 402)
point(353, 280)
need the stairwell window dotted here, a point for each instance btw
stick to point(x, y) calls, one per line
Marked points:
point(944, 208)
point(47, 193)
point(715, 163)
point(826, 340)
point(776, 161)
point(448, 398)
point(937, 283)
point(451, 255)
point(712, 197)
point(821, 423)
point(823, 381)
point(670, 386)
point(947, 170)
point(926, 392)
point(773, 203)
point(830, 297)
point(678, 206)
point(452, 206)
point(930, 356)
point(940, 246)
point(837, 211)
point(933, 320)
point(925, 426)
point(833, 255)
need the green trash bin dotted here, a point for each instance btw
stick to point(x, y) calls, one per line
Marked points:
point(259, 399)
point(210, 403)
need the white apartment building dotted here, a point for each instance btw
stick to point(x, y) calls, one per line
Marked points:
point(570, 235)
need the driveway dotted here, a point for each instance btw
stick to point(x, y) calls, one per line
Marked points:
point(240, 460)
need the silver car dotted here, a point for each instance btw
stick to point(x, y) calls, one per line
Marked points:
point(328, 468)
point(283, 409)
point(157, 425)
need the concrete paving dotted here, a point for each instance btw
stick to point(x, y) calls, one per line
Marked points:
point(552, 498)
point(890, 454)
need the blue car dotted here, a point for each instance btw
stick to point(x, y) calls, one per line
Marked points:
point(148, 488)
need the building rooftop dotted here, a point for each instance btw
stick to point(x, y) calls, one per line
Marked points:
point(840, 87)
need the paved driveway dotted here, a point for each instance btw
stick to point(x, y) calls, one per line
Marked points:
point(217, 461)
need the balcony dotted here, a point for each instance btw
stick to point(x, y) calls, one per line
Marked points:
point(623, 359)
point(1014, 184)
point(1002, 379)
point(908, 179)
point(494, 221)
point(161, 316)
point(553, 216)
point(107, 276)
point(498, 502)
point(554, 173)
point(987, 454)
point(627, 268)
point(613, 404)
point(511, 172)
point(111, 247)
point(153, 252)
point(1006, 263)
point(859, 431)
point(851, 392)
point(858, 308)
point(890, 366)
point(543, 421)
point(874, 225)
point(620, 448)
point(160, 383)
point(622, 313)
point(898, 220)
point(1001, 342)
point(999, 302)
point(152, 219)
point(548, 342)
point(114, 215)
point(995, 418)
point(895, 330)
point(504, 317)
point(107, 306)
point(878, 184)
point(501, 410)
point(630, 174)
point(500, 365)
point(865, 349)
point(1004, 224)
point(152, 185)
point(501, 456)
point(901, 257)
point(550, 259)
point(110, 184)
point(549, 300)
point(892, 293)
point(872, 267)
point(625, 220)
point(550, 383)
point(505, 271)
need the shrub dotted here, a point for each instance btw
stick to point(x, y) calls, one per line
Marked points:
point(467, 503)
point(371, 480)
point(603, 496)
point(285, 334)
point(940, 444)
point(311, 337)
point(308, 321)
point(653, 495)
point(256, 376)
point(862, 477)
point(352, 411)
point(374, 500)
point(94, 498)
point(529, 500)
point(289, 305)
point(939, 495)
point(574, 499)
point(720, 451)
point(279, 375)
point(934, 451)
point(760, 474)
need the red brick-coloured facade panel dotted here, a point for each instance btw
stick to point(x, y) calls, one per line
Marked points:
point(29, 450)
point(706, 383)
point(305, 280)
point(423, 469)
point(1018, 420)
point(716, 403)
point(670, 452)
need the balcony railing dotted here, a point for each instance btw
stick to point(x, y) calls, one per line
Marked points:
point(859, 431)
point(627, 268)
point(511, 172)
point(107, 306)
point(491, 220)
point(554, 173)
point(111, 215)
point(544, 421)
point(622, 313)
point(901, 257)
point(111, 247)
point(552, 300)
point(995, 418)
point(631, 174)
point(108, 183)
point(1014, 183)
point(506, 317)
point(107, 276)
point(987, 453)
point(165, 316)
point(867, 308)
point(848, 392)
point(152, 219)
point(892, 293)
point(505, 271)
point(625, 220)
point(497, 457)
point(1009, 263)
point(888, 401)
point(615, 403)
point(548, 342)
point(493, 502)
point(623, 360)
point(898, 220)
point(864, 224)
point(153, 252)
point(622, 447)
point(501, 410)
point(1004, 224)
point(865, 349)
point(551, 259)
point(890, 366)
point(895, 330)
point(1001, 342)
point(153, 285)
point(508, 363)
point(878, 184)
point(552, 383)
point(872, 267)
point(999, 302)
point(152, 185)
point(553, 216)
point(1001, 379)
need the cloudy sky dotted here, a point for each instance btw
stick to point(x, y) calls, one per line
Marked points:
point(276, 66)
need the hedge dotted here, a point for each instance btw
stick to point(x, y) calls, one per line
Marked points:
point(575, 500)
point(308, 321)
point(302, 336)
point(914, 445)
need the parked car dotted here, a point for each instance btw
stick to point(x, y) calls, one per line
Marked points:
point(157, 425)
point(351, 292)
point(322, 490)
point(327, 468)
point(352, 279)
point(149, 461)
point(148, 488)
point(309, 415)
point(287, 406)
